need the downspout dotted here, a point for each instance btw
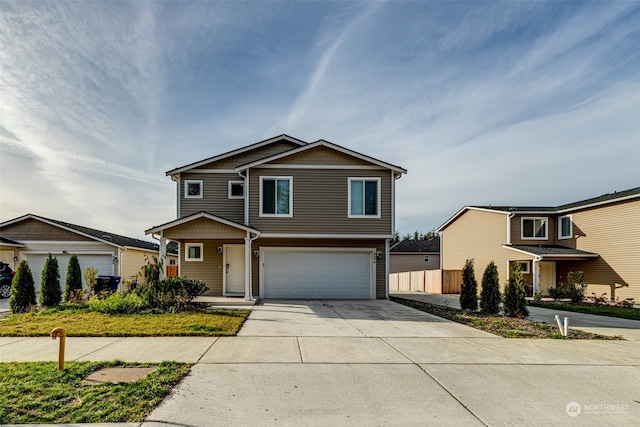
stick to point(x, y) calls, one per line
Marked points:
point(248, 279)
point(246, 195)
point(511, 215)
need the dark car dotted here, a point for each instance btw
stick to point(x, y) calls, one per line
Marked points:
point(6, 277)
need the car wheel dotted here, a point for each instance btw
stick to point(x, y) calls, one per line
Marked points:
point(5, 290)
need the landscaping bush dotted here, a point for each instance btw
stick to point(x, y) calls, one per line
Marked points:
point(490, 294)
point(118, 303)
point(515, 302)
point(577, 286)
point(469, 288)
point(171, 293)
point(73, 283)
point(50, 290)
point(23, 289)
point(91, 279)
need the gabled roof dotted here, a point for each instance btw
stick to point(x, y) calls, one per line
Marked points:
point(551, 251)
point(419, 246)
point(202, 214)
point(99, 235)
point(616, 196)
point(323, 143)
point(8, 242)
point(237, 151)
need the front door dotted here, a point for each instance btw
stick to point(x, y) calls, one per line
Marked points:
point(234, 270)
point(547, 276)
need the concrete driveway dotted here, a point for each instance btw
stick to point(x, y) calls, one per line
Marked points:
point(377, 362)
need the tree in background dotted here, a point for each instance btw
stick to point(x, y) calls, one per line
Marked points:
point(50, 291)
point(23, 289)
point(416, 236)
point(469, 288)
point(490, 294)
point(73, 284)
point(515, 297)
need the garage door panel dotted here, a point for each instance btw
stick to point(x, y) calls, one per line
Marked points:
point(309, 274)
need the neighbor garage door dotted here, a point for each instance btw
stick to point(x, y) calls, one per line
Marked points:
point(103, 262)
point(300, 273)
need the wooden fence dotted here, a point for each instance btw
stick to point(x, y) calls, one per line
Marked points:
point(432, 281)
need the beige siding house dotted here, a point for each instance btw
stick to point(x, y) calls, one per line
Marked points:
point(600, 236)
point(412, 255)
point(32, 238)
point(283, 218)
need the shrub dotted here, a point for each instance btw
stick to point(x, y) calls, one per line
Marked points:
point(469, 288)
point(118, 303)
point(171, 293)
point(23, 289)
point(515, 301)
point(50, 291)
point(490, 294)
point(74, 278)
point(91, 278)
point(150, 271)
point(559, 292)
point(577, 286)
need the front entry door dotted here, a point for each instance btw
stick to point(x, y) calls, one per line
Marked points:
point(547, 276)
point(234, 270)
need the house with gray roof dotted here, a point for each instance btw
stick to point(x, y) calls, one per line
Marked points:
point(414, 255)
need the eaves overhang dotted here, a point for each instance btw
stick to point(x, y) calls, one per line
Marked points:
point(180, 221)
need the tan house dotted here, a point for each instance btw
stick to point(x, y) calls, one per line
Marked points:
point(414, 255)
point(283, 218)
point(32, 238)
point(600, 236)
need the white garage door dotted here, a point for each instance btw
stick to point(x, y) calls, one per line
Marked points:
point(103, 262)
point(301, 273)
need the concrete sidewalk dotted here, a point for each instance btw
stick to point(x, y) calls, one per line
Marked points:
point(604, 325)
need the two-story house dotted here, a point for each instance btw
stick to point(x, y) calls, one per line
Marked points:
point(600, 236)
point(283, 218)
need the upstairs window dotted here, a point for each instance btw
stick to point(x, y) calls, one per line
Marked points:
point(565, 227)
point(534, 228)
point(364, 197)
point(276, 196)
point(192, 189)
point(236, 189)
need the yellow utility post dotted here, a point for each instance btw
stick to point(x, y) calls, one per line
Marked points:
point(55, 333)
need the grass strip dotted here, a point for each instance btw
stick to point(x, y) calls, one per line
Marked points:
point(36, 392)
point(600, 310)
point(83, 323)
point(507, 327)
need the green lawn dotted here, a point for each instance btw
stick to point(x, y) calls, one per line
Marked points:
point(37, 392)
point(602, 310)
point(83, 323)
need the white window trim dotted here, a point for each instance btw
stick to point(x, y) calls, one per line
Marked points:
point(267, 215)
point(526, 270)
point(378, 181)
point(560, 236)
point(229, 190)
point(186, 186)
point(186, 251)
point(546, 228)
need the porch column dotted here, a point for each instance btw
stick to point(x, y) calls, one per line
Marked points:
point(247, 268)
point(163, 257)
point(536, 275)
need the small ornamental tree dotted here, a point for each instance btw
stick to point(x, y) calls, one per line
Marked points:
point(469, 289)
point(73, 284)
point(490, 294)
point(23, 290)
point(50, 291)
point(515, 302)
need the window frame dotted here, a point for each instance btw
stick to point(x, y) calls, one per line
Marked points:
point(186, 188)
point(378, 182)
point(276, 179)
point(526, 264)
point(560, 235)
point(187, 246)
point(536, 218)
point(229, 185)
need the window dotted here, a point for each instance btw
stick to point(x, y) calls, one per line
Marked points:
point(236, 189)
point(565, 227)
point(276, 196)
point(364, 197)
point(534, 228)
point(172, 262)
point(192, 189)
point(524, 266)
point(426, 258)
point(193, 252)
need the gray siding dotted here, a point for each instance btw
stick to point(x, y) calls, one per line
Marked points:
point(320, 203)
point(250, 156)
point(215, 198)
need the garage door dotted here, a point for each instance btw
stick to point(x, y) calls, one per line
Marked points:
point(300, 273)
point(103, 262)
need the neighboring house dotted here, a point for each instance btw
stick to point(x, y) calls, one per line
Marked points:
point(600, 236)
point(32, 238)
point(415, 255)
point(283, 218)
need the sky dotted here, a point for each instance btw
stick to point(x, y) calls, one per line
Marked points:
point(501, 103)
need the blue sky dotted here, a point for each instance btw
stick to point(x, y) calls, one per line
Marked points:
point(531, 103)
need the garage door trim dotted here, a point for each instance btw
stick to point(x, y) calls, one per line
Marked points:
point(370, 251)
